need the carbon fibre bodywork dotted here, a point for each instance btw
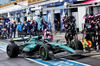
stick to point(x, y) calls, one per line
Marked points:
point(38, 47)
point(36, 41)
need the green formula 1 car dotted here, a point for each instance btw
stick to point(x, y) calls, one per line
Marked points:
point(38, 47)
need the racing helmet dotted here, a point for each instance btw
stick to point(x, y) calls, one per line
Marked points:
point(45, 30)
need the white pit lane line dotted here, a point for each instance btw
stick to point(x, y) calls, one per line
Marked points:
point(36, 62)
point(46, 64)
point(77, 62)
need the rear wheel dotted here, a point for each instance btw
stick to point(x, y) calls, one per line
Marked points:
point(46, 52)
point(12, 50)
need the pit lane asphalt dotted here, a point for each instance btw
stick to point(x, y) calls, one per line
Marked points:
point(5, 61)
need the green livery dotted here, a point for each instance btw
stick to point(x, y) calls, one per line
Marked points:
point(36, 45)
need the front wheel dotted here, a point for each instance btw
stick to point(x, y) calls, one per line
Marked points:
point(12, 50)
point(46, 52)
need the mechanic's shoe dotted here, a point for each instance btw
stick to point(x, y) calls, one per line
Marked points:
point(93, 49)
point(98, 50)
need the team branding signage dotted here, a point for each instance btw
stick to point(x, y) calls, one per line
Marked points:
point(18, 1)
point(33, 1)
point(11, 3)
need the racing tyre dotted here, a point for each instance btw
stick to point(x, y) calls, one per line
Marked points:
point(76, 45)
point(46, 52)
point(12, 50)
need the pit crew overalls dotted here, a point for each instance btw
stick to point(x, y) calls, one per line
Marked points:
point(13, 26)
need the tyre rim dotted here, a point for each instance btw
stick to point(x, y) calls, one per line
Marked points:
point(43, 53)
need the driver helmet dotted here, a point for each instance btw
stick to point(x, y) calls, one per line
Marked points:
point(45, 30)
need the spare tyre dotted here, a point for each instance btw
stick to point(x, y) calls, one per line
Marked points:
point(76, 45)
